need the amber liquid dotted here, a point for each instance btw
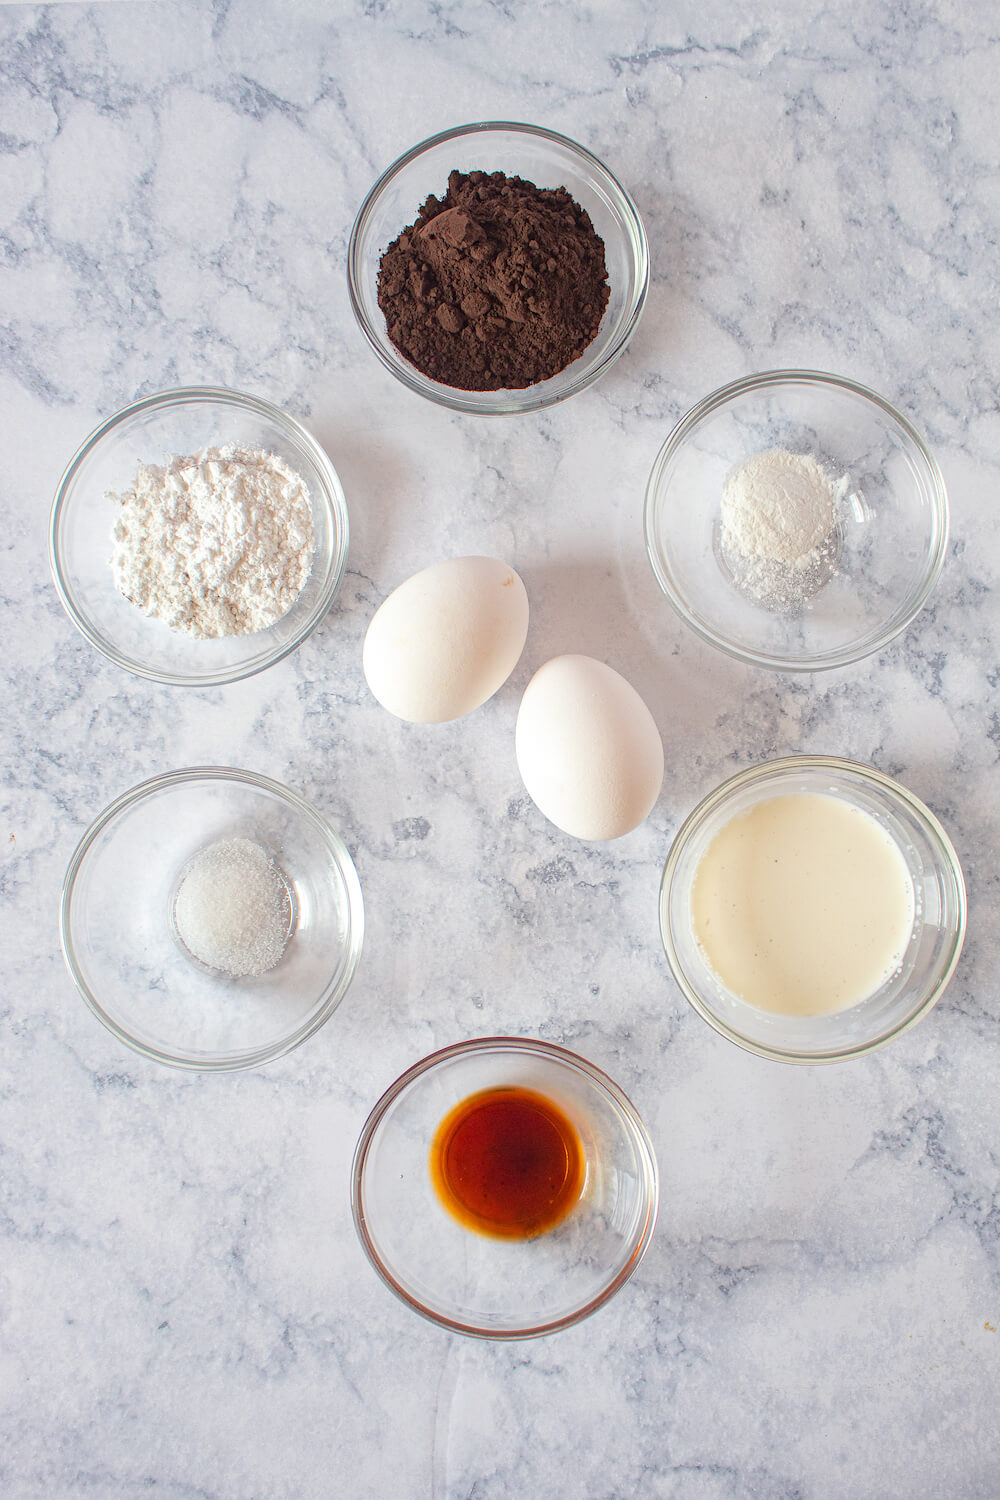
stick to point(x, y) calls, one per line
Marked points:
point(508, 1163)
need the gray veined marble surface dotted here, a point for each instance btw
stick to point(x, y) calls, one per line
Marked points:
point(184, 1311)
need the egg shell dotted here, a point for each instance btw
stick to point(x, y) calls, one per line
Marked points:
point(446, 639)
point(588, 748)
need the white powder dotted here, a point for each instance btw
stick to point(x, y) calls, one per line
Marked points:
point(218, 543)
point(232, 909)
point(779, 527)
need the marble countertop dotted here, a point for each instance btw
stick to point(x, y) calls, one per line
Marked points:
point(184, 1309)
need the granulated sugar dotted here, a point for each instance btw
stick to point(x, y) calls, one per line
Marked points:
point(779, 533)
point(232, 909)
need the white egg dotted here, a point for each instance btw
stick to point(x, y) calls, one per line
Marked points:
point(446, 639)
point(588, 749)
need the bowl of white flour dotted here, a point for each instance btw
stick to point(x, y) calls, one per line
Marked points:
point(796, 520)
point(198, 536)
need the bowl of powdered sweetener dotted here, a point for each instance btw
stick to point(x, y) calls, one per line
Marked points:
point(796, 520)
point(212, 919)
point(198, 536)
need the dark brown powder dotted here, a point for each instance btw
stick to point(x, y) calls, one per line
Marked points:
point(495, 286)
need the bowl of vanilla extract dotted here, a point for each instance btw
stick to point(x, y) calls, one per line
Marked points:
point(504, 1188)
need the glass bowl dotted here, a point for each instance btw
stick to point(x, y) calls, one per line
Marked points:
point(549, 161)
point(129, 963)
point(151, 431)
point(891, 531)
point(936, 935)
point(503, 1288)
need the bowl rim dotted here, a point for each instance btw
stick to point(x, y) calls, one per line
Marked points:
point(517, 402)
point(331, 497)
point(534, 1046)
point(226, 1062)
point(764, 380)
point(724, 793)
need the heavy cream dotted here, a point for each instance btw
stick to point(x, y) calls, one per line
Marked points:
point(803, 904)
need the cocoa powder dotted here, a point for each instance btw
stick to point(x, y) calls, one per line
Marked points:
point(495, 286)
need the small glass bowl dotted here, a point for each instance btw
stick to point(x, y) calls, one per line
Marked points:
point(496, 1288)
point(936, 938)
point(151, 431)
point(892, 521)
point(128, 962)
point(549, 161)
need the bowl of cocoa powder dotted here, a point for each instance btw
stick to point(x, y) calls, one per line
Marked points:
point(498, 268)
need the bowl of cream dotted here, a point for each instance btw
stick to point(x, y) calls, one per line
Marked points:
point(812, 909)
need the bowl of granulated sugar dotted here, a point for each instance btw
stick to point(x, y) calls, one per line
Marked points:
point(212, 919)
point(796, 520)
point(198, 536)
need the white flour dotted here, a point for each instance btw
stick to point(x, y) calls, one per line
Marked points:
point(779, 527)
point(217, 543)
